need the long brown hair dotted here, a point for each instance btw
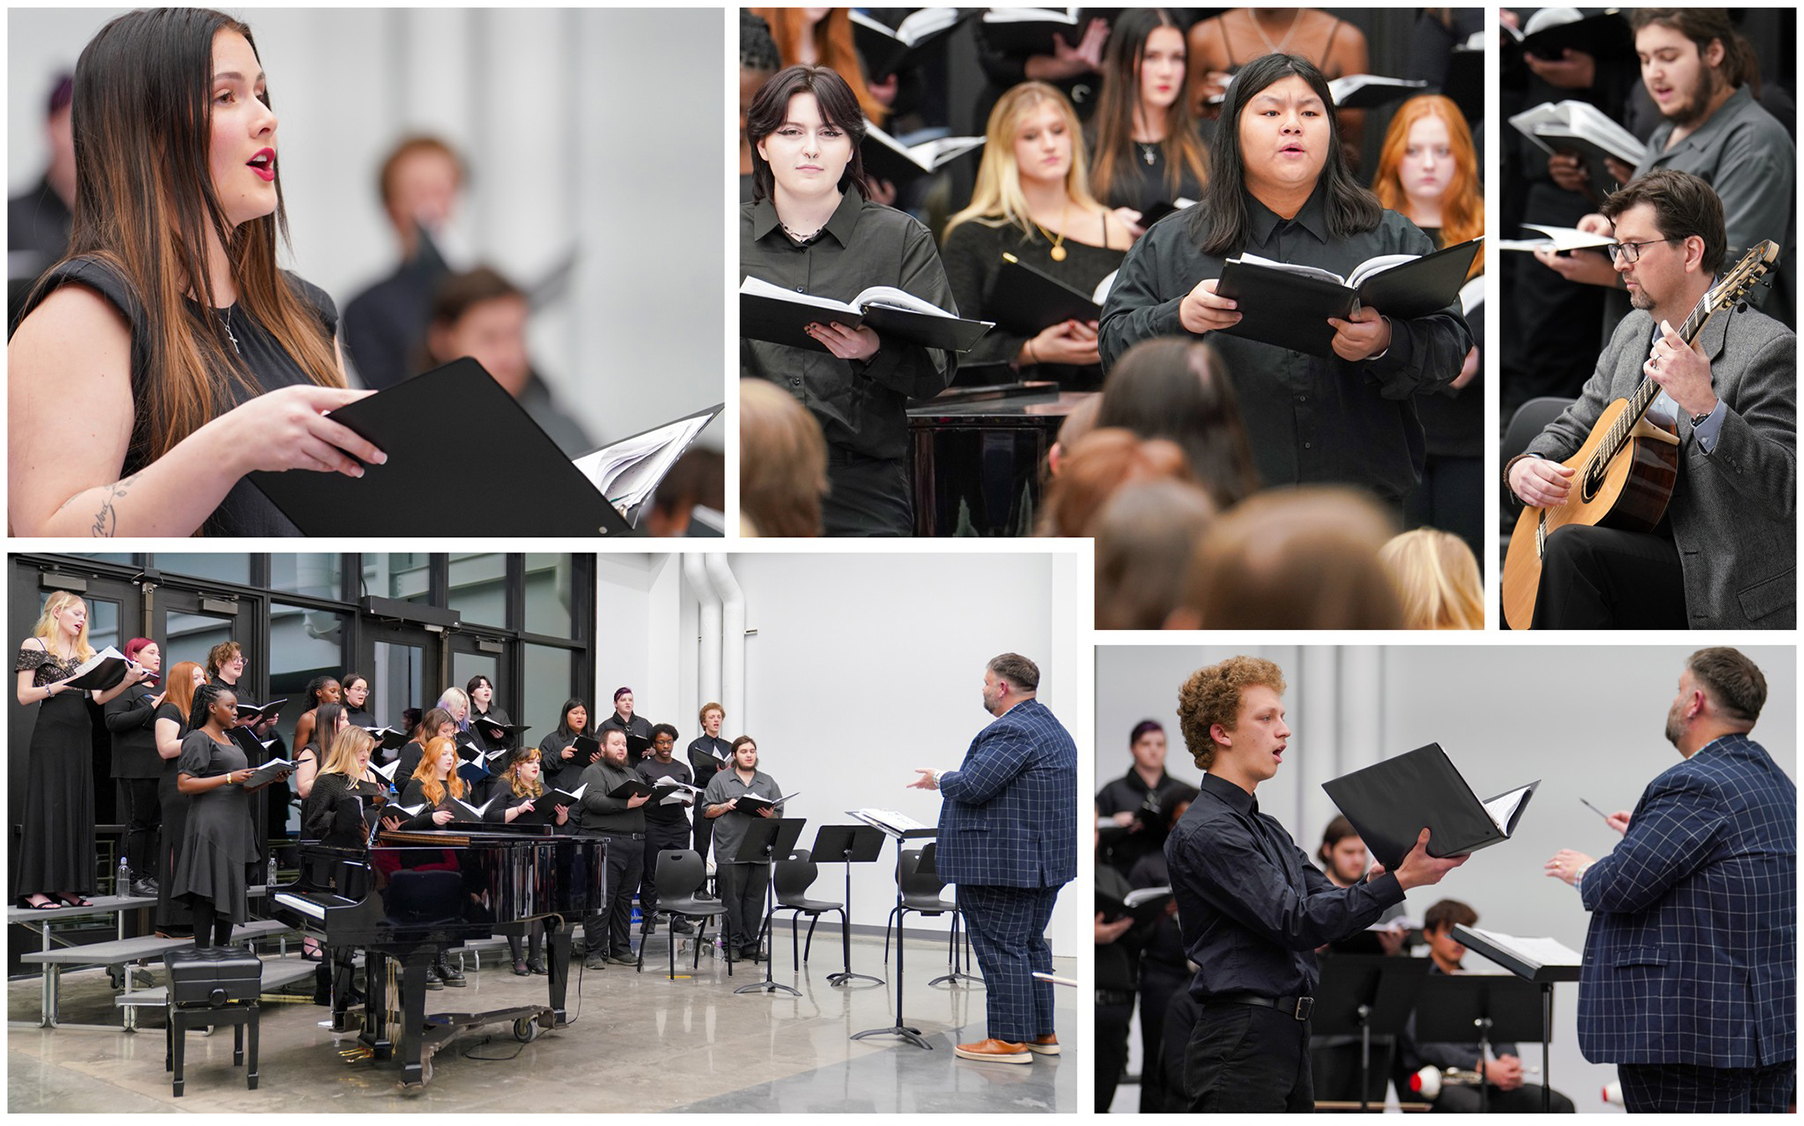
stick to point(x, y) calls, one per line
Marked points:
point(1183, 144)
point(519, 785)
point(1462, 206)
point(144, 202)
point(833, 47)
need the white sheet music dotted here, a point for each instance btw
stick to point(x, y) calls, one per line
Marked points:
point(1503, 807)
point(1539, 951)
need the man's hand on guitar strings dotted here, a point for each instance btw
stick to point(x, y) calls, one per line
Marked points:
point(1540, 483)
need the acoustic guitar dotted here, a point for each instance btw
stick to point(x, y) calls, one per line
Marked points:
point(1624, 473)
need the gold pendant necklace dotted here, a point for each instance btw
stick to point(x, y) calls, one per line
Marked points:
point(1058, 252)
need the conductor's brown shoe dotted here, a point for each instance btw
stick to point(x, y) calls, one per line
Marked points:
point(994, 1051)
point(1047, 1045)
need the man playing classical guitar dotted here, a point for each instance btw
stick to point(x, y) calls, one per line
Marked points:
point(1724, 555)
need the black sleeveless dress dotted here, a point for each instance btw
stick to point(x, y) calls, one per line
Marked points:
point(245, 511)
point(56, 850)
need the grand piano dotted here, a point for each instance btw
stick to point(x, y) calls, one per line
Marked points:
point(417, 891)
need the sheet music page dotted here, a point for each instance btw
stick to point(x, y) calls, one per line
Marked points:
point(1541, 951)
point(1503, 807)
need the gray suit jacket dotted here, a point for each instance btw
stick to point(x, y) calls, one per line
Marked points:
point(1733, 512)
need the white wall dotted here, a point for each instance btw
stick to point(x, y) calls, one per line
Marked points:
point(600, 130)
point(863, 667)
point(1584, 719)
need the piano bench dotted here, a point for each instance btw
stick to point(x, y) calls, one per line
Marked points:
point(212, 986)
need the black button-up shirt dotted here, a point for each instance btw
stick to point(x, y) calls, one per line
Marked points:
point(1150, 803)
point(1310, 419)
point(1251, 907)
point(860, 405)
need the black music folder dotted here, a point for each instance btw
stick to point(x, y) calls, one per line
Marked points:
point(901, 162)
point(1027, 299)
point(1144, 904)
point(632, 788)
point(1390, 802)
point(1029, 31)
point(780, 316)
point(886, 50)
point(522, 486)
point(101, 671)
point(1289, 305)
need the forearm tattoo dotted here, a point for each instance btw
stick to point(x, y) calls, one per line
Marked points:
point(106, 521)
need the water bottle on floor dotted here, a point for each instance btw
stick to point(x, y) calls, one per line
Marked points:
point(122, 879)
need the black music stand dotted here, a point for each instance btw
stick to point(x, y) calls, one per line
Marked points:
point(1450, 1009)
point(1365, 995)
point(765, 837)
point(912, 1035)
point(956, 976)
point(1542, 974)
point(848, 845)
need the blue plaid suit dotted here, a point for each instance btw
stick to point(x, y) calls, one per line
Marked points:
point(1008, 839)
point(1691, 955)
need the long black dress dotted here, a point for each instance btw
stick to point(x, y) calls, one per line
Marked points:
point(172, 917)
point(56, 852)
point(219, 842)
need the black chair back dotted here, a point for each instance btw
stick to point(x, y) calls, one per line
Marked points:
point(794, 875)
point(680, 873)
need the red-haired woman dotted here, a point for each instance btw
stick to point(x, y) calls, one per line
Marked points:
point(1428, 171)
point(190, 358)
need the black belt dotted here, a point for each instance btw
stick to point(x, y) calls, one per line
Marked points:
point(1298, 1007)
point(622, 833)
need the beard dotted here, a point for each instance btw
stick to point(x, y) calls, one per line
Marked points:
point(1674, 728)
point(1690, 113)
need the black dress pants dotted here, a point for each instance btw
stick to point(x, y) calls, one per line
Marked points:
point(626, 863)
point(1605, 578)
point(866, 496)
point(1112, 1020)
point(1248, 1059)
point(660, 836)
point(1158, 988)
point(742, 891)
point(142, 810)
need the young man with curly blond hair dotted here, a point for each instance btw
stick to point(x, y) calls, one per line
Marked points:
point(1251, 907)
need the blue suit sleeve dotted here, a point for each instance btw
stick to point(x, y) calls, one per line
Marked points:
point(992, 764)
point(1671, 835)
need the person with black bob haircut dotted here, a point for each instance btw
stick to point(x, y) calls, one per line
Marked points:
point(1281, 188)
point(812, 228)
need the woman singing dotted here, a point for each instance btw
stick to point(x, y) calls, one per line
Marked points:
point(219, 840)
point(437, 723)
point(357, 694)
point(1279, 188)
point(1032, 201)
point(56, 848)
point(812, 228)
point(524, 788)
point(434, 784)
point(171, 728)
point(563, 766)
point(190, 358)
point(131, 717)
point(1146, 147)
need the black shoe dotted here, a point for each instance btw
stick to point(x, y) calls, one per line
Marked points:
point(750, 954)
point(623, 958)
point(519, 968)
point(595, 961)
point(681, 926)
point(451, 977)
point(144, 888)
point(651, 927)
point(537, 966)
point(432, 980)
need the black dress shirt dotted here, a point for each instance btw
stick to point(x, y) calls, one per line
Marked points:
point(1251, 907)
point(1150, 804)
point(1310, 419)
point(860, 405)
point(638, 726)
point(656, 812)
point(708, 756)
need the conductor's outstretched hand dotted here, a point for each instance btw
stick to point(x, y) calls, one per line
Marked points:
point(1420, 869)
point(926, 781)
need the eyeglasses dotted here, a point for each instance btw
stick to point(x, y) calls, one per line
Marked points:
point(1630, 252)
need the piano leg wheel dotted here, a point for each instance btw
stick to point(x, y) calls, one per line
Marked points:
point(526, 1030)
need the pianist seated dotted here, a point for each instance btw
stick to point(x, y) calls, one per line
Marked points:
point(1506, 1093)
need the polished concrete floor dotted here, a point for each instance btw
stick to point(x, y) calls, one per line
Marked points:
point(638, 1042)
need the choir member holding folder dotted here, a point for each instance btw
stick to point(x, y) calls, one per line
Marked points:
point(1032, 204)
point(812, 229)
point(190, 359)
point(1251, 907)
point(1280, 189)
